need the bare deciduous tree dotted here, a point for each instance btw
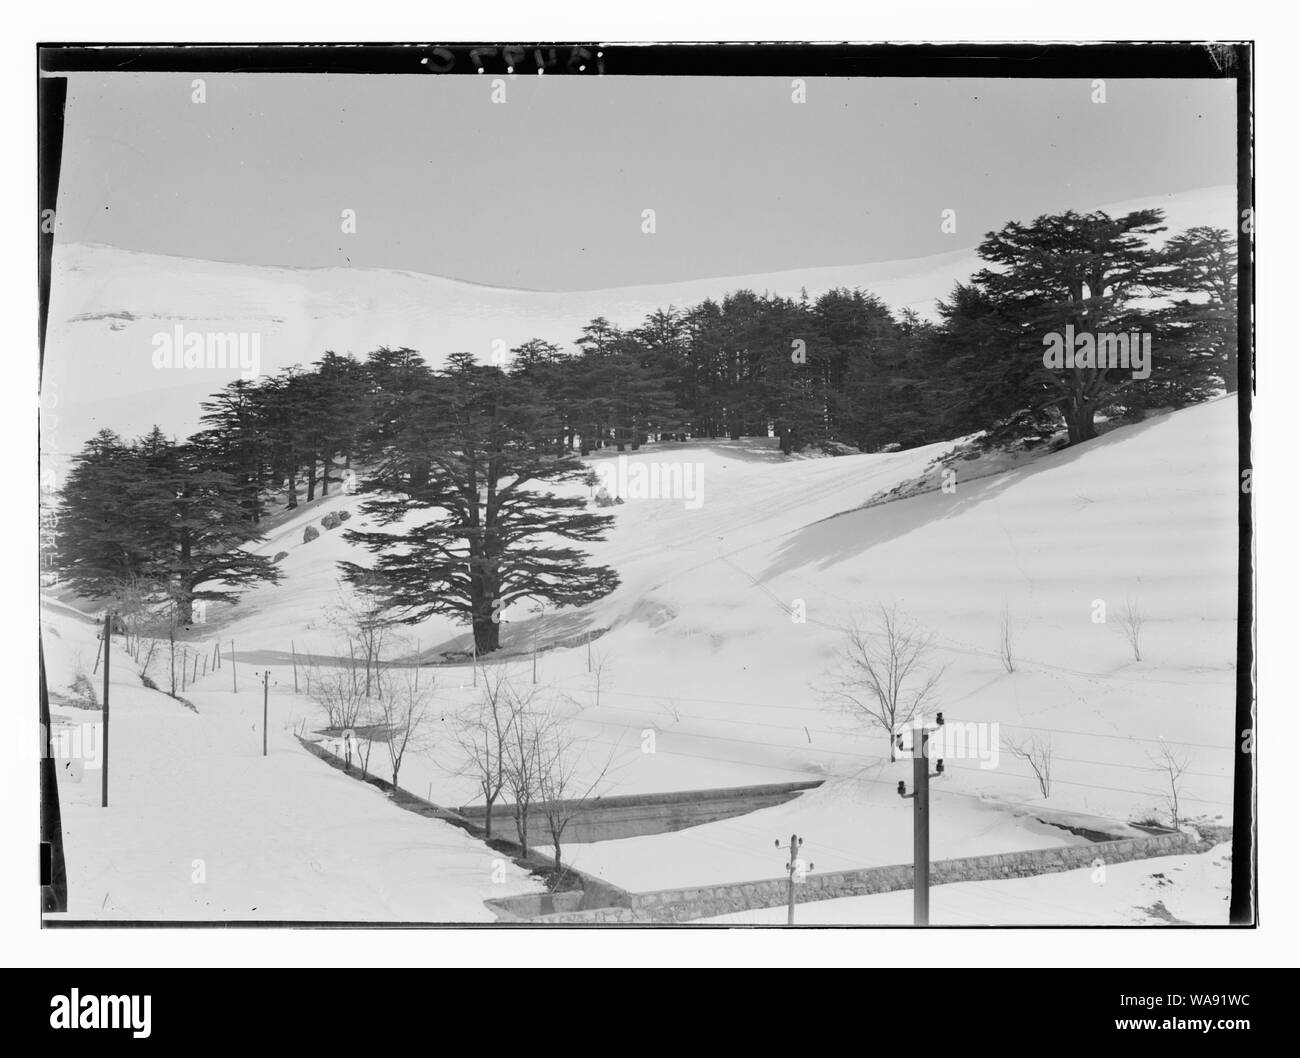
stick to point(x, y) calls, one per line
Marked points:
point(562, 788)
point(404, 709)
point(336, 690)
point(1006, 640)
point(359, 614)
point(1173, 764)
point(600, 671)
point(482, 731)
point(363, 735)
point(529, 728)
point(1036, 751)
point(882, 675)
point(1131, 620)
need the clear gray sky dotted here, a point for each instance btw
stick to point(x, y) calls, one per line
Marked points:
point(546, 190)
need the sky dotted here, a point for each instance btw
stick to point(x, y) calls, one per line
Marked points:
point(547, 190)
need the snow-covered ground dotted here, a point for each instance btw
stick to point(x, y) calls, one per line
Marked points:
point(1170, 889)
point(201, 826)
point(706, 679)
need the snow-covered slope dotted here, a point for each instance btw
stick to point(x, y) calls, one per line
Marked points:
point(707, 679)
point(200, 825)
point(106, 306)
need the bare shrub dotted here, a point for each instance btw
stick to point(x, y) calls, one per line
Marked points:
point(336, 690)
point(1173, 764)
point(1036, 751)
point(881, 674)
point(1131, 620)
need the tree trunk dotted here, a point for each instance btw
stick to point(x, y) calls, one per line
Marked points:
point(1079, 422)
point(521, 826)
point(487, 635)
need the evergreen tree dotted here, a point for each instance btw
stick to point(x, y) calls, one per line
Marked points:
point(98, 547)
point(1203, 328)
point(156, 513)
point(1078, 270)
point(490, 540)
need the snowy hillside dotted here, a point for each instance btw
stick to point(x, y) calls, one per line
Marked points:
point(106, 306)
point(699, 648)
point(201, 826)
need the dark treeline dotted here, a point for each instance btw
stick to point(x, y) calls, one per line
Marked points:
point(839, 369)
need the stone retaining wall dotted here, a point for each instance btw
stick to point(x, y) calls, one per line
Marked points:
point(630, 816)
point(707, 901)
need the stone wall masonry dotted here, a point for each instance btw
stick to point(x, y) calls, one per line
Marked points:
point(638, 815)
point(707, 901)
point(595, 916)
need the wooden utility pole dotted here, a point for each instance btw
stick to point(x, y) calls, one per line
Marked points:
point(920, 797)
point(266, 681)
point(54, 871)
point(107, 643)
point(793, 868)
point(234, 677)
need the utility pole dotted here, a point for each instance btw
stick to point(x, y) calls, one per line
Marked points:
point(107, 643)
point(793, 868)
point(920, 797)
point(234, 678)
point(266, 681)
point(54, 882)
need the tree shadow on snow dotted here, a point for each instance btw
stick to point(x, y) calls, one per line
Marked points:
point(833, 540)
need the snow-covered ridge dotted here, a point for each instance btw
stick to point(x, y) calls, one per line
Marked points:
point(107, 304)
